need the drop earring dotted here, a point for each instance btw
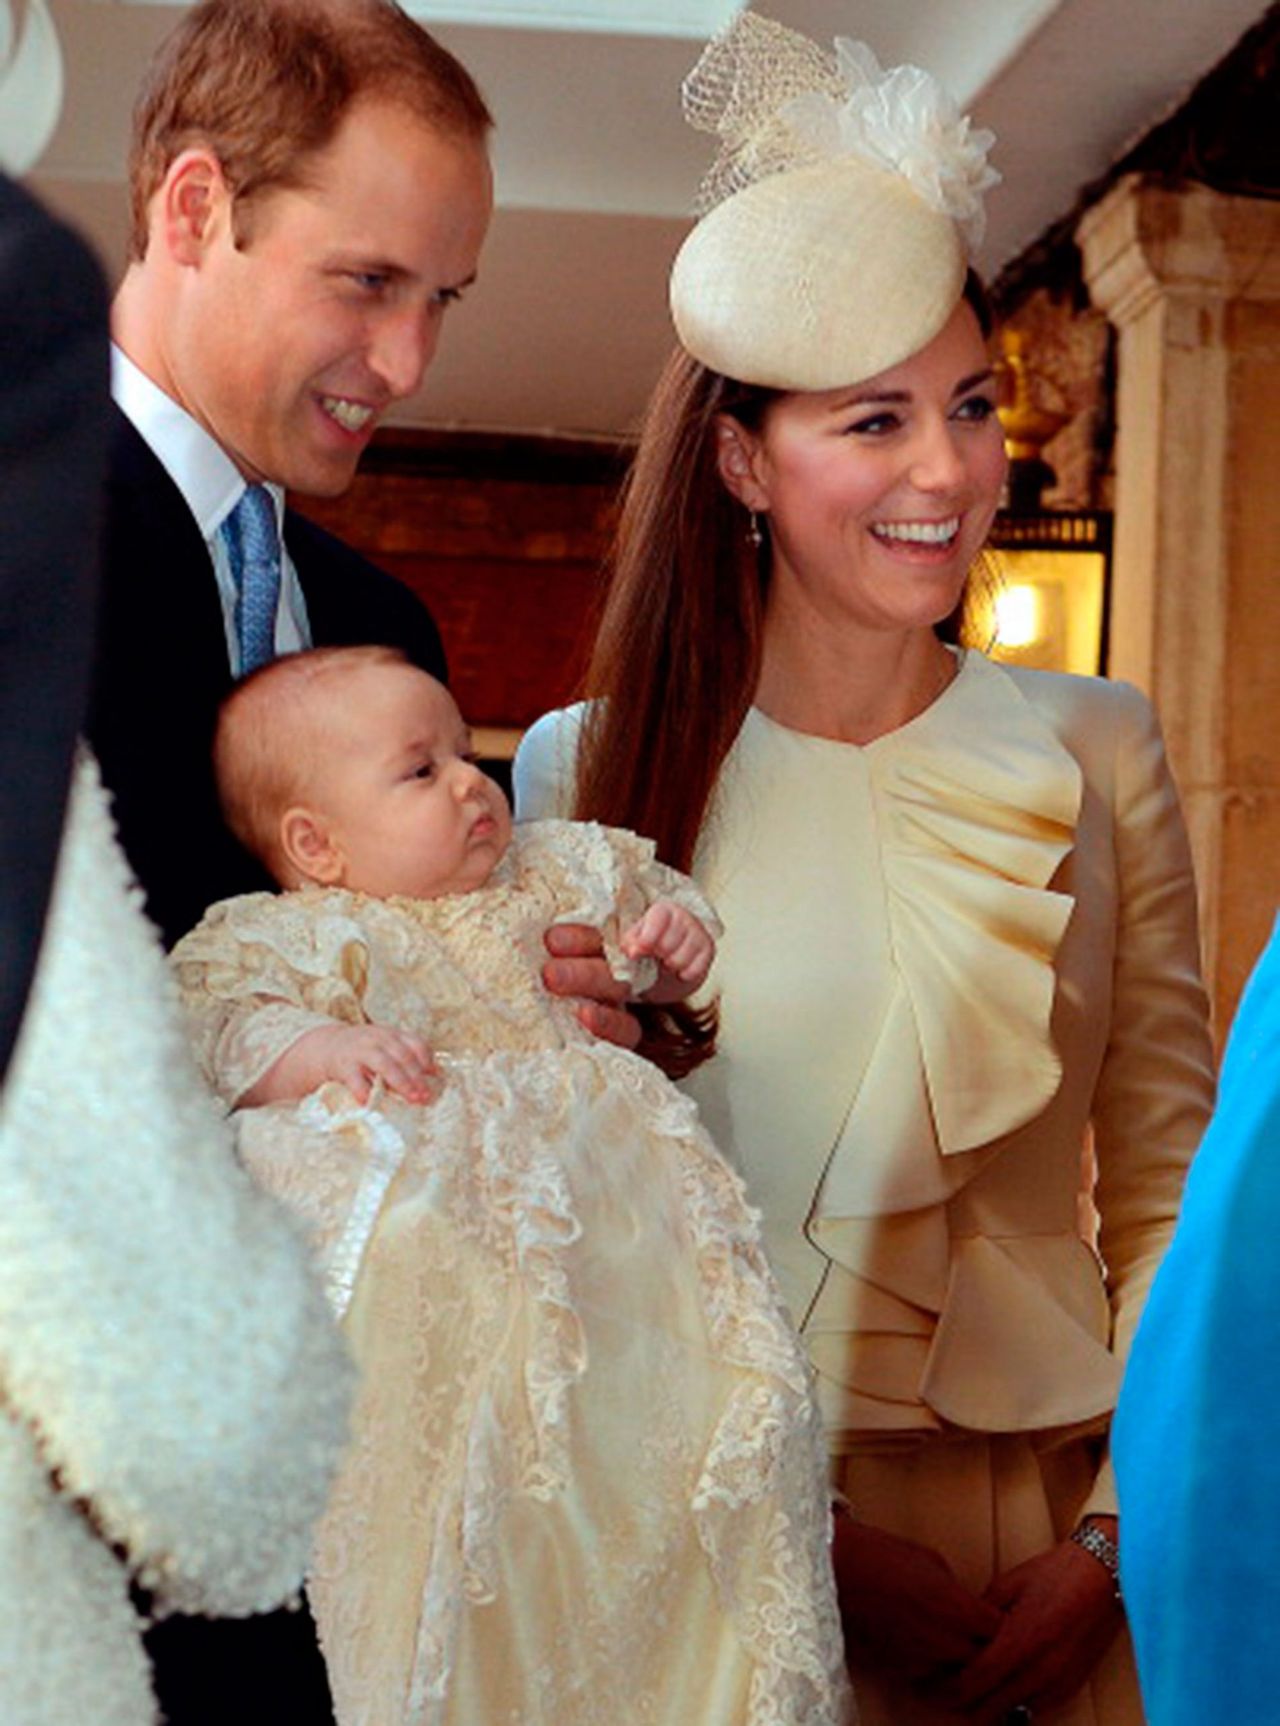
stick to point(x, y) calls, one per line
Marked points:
point(754, 535)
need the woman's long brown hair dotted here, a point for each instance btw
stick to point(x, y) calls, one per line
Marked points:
point(678, 649)
point(677, 652)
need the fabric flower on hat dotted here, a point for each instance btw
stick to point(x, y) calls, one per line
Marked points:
point(902, 120)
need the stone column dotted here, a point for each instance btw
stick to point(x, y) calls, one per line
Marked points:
point(1191, 280)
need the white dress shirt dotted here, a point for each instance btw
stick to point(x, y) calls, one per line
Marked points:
point(212, 486)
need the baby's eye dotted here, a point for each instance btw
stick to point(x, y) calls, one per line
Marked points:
point(425, 770)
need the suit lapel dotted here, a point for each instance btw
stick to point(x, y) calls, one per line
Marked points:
point(163, 586)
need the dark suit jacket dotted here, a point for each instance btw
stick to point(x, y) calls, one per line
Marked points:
point(53, 422)
point(159, 676)
point(161, 672)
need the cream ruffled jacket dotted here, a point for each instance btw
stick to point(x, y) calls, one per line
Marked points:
point(173, 1393)
point(948, 956)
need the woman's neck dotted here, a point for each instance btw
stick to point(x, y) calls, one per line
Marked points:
point(851, 686)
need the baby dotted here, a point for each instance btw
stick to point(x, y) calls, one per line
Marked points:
point(585, 1482)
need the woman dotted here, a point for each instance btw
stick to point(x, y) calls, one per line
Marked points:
point(958, 898)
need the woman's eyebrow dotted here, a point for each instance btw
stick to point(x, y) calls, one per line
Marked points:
point(970, 383)
point(860, 398)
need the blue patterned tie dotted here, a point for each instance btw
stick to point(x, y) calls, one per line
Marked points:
point(253, 544)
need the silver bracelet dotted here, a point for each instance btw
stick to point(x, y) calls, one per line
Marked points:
point(1091, 1539)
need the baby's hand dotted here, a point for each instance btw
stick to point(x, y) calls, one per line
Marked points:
point(354, 1055)
point(680, 944)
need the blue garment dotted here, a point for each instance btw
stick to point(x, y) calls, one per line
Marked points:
point(1196, 1438)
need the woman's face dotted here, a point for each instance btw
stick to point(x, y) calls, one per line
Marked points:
point(878, 496)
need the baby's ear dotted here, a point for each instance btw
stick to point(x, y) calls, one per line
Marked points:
point(309, 848)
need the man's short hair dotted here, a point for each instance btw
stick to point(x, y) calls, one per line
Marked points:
point(271, 736)
point(265, 84)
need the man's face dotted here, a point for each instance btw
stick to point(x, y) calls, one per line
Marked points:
point(289, 347)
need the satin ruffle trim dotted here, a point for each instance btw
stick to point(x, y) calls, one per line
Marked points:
point(977, 801)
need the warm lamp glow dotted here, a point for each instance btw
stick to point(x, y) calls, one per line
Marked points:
point(1017, 616)
point(1045, 610)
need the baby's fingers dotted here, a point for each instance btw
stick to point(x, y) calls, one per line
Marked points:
point(416, 1055)
point(651, 935)
point(406, 1065)
point(689, 956)
point(421, 1051)
point(355, 1074)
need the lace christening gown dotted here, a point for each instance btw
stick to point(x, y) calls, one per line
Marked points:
point(586, 1483)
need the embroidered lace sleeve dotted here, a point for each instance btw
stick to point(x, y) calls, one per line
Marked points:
point(261, 971)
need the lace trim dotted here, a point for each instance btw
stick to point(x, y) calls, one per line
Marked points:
point(768, 1448)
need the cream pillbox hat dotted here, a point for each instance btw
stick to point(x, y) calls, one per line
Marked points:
point(839, 214)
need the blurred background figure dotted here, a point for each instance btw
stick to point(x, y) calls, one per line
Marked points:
point(53, 423)
point(173, 1394)
point(1198, 1425)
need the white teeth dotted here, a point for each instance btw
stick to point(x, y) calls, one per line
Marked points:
point(352, 416)
point(919, 532)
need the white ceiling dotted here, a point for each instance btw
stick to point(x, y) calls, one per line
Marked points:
point(568, 326)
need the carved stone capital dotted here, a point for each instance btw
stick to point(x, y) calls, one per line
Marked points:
point(1147, 241)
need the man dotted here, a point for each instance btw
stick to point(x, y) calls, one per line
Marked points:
point(310, 191)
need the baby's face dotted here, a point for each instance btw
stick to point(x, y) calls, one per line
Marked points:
point(405, 803)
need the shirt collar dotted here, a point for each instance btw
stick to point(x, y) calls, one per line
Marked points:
point(203, 472)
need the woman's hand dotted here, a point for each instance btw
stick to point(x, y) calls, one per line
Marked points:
point(902, 1608)
point(354, 1055)
point(577, 966)
point(1059, 1615)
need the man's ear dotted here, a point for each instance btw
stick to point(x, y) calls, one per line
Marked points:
point(310, 849)
point(736, 452)
point(192, 206)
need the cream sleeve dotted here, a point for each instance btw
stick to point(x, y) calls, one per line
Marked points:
point(545, 764)
point(1155, 1091)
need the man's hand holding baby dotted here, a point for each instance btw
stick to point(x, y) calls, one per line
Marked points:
point(354, 1055)
point(577, 969)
